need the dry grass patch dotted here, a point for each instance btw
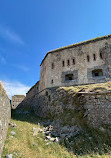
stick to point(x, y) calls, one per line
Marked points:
point(21, 145)
point(100, 87)
point(25, 145)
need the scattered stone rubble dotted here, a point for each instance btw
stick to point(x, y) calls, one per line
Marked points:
point(9, 156)
point(11, 124)
point(55, 132)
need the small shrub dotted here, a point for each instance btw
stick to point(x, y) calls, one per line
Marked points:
point(46, 93)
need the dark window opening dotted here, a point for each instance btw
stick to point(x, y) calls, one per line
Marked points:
point(88, 58)
point(94, 56)
point(68, 62)
point(52, 81)
point(69, 77)
point(52, 65)
point(97, 73)
point(73, 61)
point(63, 63)
point(101, 55)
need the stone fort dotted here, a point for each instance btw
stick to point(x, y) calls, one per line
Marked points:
point(82, 63)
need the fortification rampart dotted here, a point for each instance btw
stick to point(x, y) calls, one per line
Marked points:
point(28, 101)
point(5, 114)
point(83, 63)
point(92, 102)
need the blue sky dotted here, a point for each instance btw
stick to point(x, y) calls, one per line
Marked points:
point(30, 28)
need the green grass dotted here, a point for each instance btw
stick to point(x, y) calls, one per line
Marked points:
point(22, 142)
point(99, 146)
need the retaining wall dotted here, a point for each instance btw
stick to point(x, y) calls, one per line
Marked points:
point(5, 114)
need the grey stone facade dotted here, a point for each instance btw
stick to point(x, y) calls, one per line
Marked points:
point(74, 77)
point(97, 79)
point(83, 63)
point(5, 114)
point(16, 100)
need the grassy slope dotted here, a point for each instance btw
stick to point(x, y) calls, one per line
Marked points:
point(100, 87)
point(22, 142)
point(98, 147)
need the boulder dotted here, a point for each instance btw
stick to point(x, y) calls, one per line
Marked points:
point(12, 133)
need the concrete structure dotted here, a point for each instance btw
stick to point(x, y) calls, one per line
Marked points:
point(16, 100)
point(83, 63)
point(5, 114)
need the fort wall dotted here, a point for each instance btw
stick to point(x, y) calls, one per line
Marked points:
point(5, 114)
point(95, 107)
point(79, 64)
point(28, 102)
point(16, 100)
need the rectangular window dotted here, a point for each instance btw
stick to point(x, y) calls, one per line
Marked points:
point(73, 61)
point(94, 57)
point(69, 77)
point(97, 73)
point(52, 81)
point(68, 62)
point(88, 59)
point(52, 65)
point(63, 63)
point(101, 55)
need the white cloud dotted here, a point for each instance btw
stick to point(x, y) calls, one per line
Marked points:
point(15, 88)
point(10, 35)
point(2, 60)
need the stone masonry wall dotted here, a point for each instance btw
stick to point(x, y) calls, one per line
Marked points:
point(94, 107)
point(5, 114)
point(16, 100)
point(28, 101)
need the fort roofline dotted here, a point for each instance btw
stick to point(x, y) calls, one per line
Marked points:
point(77, 44)
point(18, 96)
